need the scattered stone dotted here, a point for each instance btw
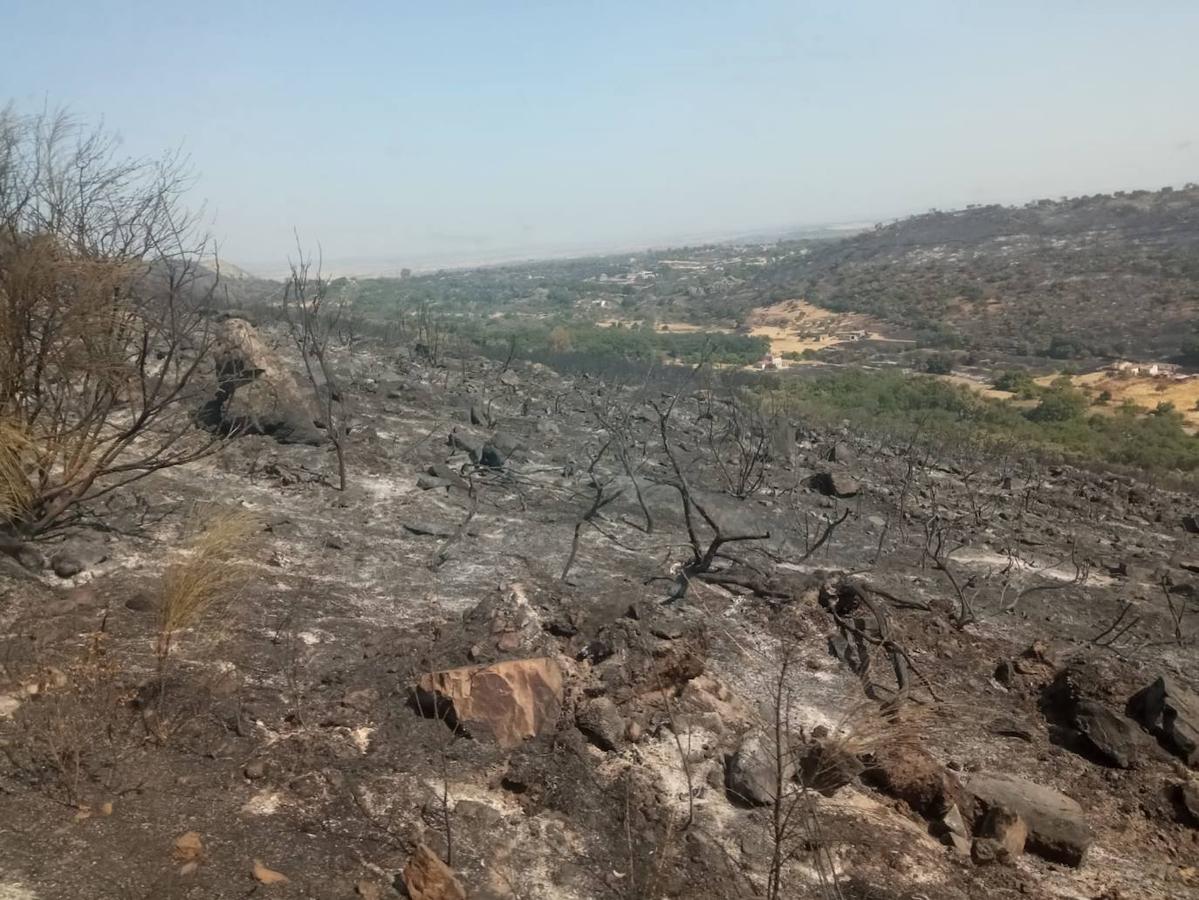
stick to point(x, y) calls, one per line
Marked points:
point(468, 442)
point(834, 484)
point(601, 723)
point(426, 877)
point(188, 847)
point(751, 772)
point(76, 558)
point(497, 451)
point(509, 702)
point(268, 876)
point(430, 482)
point(1171, 713)
point(141, 603)
point(1057, 828)
point(255, 770)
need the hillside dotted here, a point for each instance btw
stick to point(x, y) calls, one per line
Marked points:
point(1091, 276)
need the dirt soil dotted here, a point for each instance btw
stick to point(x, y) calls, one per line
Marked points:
point(281, 736)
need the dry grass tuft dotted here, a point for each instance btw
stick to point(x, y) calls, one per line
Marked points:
point(211, 572)
point(16, 492)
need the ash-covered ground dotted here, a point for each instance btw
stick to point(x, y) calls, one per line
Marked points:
point(706, 652)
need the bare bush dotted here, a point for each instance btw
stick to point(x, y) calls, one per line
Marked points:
point(102, 325)
point(314, 317)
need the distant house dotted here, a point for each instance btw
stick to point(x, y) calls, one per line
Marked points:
point(1152, 370)
point(851, 335)
point(768, 362)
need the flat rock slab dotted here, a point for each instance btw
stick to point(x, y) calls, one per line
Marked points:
point(1057, 828)
point(508, 702)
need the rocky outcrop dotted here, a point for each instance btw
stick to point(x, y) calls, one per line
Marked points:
point(256, 392)
point(508, 702)
point(1057, 827)
point(1171, 712)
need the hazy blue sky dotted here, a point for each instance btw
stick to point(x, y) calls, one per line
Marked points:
point(409, 131)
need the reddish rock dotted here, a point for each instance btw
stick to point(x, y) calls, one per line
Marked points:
point(428, 878)
point(508, 702)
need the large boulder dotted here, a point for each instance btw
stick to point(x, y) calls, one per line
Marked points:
point(1057, 827)
point(256, 392)
point(1171, 712)
point(508, 702)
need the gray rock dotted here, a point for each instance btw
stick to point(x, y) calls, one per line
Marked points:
point(834, 484)
point(468, 442)
point(1171, 712)
point(1187, 795)
point(498, 450)
point(1057, 827)
point(601, 723)
point(1112, 737)
point(430, 482)
point(750, 773)
point(257, 394)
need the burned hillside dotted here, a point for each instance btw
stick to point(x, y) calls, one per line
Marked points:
point(574, 636)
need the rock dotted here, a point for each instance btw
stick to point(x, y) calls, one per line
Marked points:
point(1112, 737)
point(826, 766)
point(1057, 828)
point(1191, 524)
point(447, 474)
point(497, 451)
point(601, 723)
point(8, 705)
point(1076, 700)
point(77, 557)
point(426, 877)
point(1171, 713)
point(508, 702)
point(27, 555)
point(834, 484)
point(478, 415)
point(1005, 673)
point(841, 453)
point(912, 775)
point(189, 847)
point(430, 483)
point(468, 442)
point(1007, 829)
point(268, 876)
point(255, 769)
point(257, 394)
point(1187, 801)
point(751, 772)
point(141, 602)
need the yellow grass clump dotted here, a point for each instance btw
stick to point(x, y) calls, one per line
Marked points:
point(16, 492)
point(211, 571)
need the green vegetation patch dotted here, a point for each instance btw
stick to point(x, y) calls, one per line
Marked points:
point(1061, 421)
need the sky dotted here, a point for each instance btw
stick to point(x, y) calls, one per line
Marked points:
point(439, 133)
